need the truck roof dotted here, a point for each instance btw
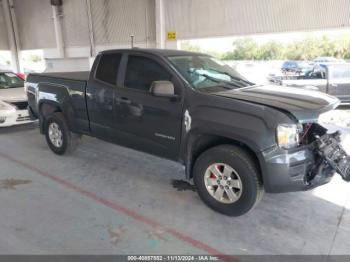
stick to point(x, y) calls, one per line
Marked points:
point(155, 51)
point(84, 76)
point(325, 64)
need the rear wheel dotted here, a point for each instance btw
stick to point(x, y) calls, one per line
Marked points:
point(58, 136)
point(228, 180)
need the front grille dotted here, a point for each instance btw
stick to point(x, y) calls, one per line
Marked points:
point(2, 119)
point(23, 118)
point(20, 105)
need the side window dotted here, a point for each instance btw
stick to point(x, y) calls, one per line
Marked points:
point(107, 69)
point(142, 71)
point(318, 74)
point(342, 72)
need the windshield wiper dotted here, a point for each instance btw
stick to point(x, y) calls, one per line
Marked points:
point(231, 76)
point(217, 80)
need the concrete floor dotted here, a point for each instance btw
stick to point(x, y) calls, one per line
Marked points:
point(105, 199)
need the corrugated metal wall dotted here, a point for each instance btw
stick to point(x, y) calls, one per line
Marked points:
point(209, 18)
point(115, 20)
point(75, 23)
point(3, 33)
point(35, 25)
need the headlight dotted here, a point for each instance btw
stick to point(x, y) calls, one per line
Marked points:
point(287, 135)
point(5, 106)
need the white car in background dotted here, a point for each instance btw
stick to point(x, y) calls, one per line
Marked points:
point(13, 100)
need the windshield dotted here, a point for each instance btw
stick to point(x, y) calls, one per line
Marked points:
point(10, 80)
point(205, 72)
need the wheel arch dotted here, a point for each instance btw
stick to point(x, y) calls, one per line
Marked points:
point(200, 143)
point(46, 108)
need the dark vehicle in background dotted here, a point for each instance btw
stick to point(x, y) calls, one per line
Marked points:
point(333, 79)
point(235, 139)
point(295, 67)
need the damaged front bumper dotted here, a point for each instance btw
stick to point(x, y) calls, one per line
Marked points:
point(332, 154)
point(307, 166)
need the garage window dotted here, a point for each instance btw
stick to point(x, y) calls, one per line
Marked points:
point(142, 71)
point(107, 69)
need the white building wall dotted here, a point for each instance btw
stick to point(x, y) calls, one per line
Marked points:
point(67, 64)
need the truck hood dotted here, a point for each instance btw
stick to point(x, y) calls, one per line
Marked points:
point(305, 105)
point(13, 94)
point(304, 82)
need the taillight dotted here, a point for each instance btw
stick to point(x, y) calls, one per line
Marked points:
point(22, 76)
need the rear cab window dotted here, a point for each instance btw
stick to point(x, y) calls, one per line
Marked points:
point(107, 69)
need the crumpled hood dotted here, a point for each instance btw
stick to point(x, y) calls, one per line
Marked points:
point(305, 105)
point(13, 94)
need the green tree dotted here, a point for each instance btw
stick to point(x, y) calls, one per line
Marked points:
point(272, 50)
point(346, 54)
point(243, 49)
point(187, 46)
point(306, 49)
point(341, 46)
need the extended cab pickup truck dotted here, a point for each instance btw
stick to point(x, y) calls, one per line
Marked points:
point(331, 78)
point(236, 139)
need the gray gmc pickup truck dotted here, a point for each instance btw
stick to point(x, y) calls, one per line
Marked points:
point(236, 139)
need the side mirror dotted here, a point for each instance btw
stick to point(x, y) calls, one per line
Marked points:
point(163, 89)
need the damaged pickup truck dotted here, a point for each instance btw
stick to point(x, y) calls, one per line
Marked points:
point(236, 139)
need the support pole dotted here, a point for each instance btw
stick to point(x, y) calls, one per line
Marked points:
point(57, 15)
point(91, 29)
point(12, 33)
point(160, 24)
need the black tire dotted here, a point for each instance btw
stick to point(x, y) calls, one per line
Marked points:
point(70, 140)
point(244, 165)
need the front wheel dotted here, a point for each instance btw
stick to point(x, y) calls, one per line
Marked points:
point(228, 180)
point(58, 136)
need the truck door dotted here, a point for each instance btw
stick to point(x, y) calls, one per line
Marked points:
point(313, 80)
point(316, 78)
point(148, 123)
point(339, 82)
point(100, 95)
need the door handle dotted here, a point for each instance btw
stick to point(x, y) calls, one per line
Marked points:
point(124, 100)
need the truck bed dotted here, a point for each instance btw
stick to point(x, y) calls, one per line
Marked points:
point(77, 76)
point(66, 87)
